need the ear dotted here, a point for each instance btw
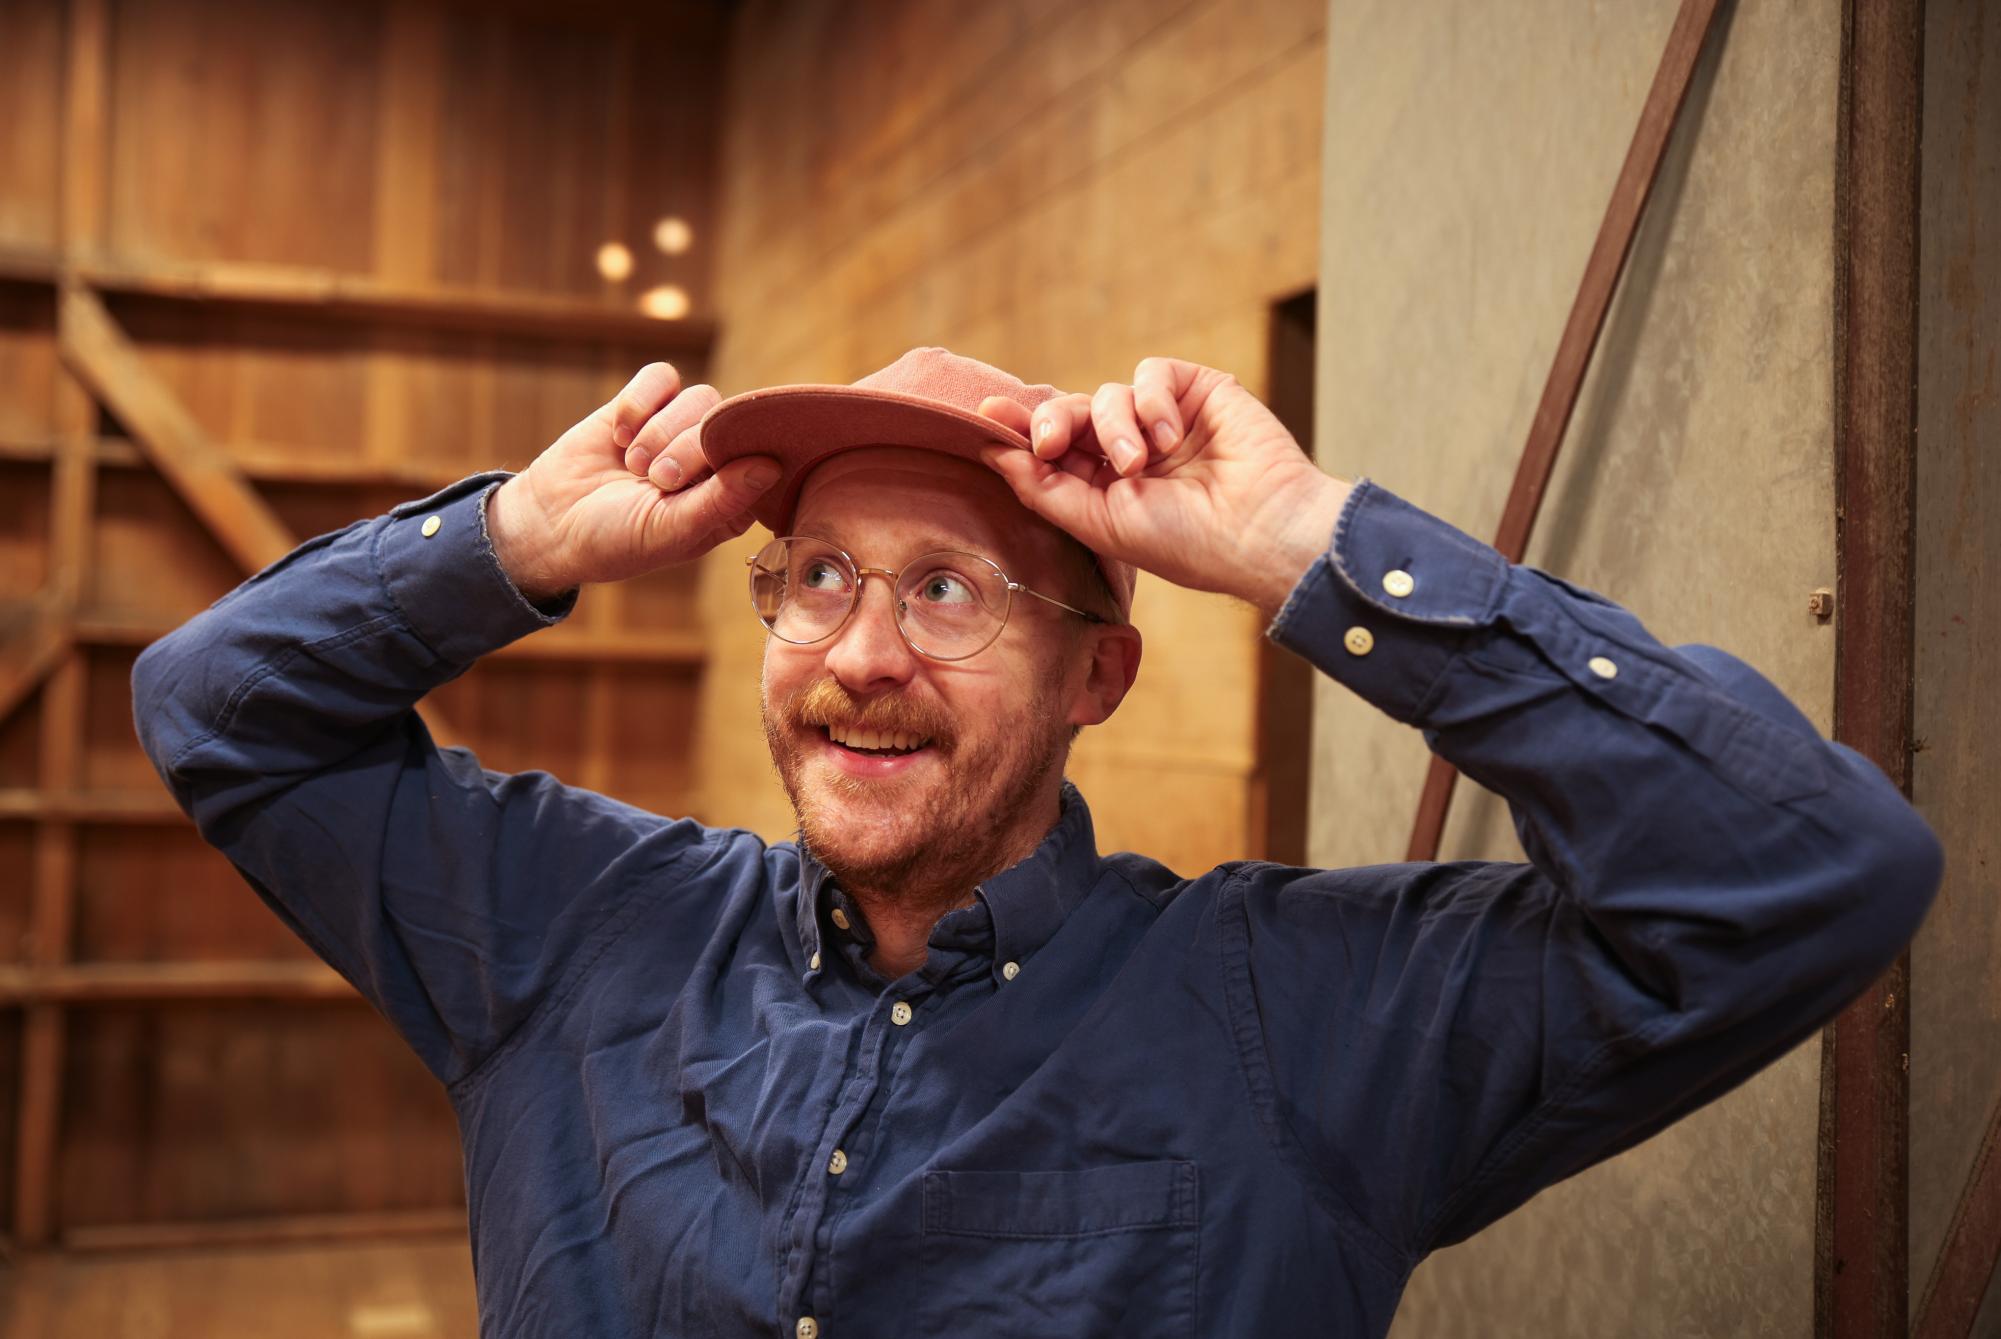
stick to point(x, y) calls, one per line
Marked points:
point(1114, 650)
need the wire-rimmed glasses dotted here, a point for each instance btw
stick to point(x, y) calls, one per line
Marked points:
point(949, 605)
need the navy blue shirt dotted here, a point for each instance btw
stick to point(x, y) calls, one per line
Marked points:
point(1245, 1101)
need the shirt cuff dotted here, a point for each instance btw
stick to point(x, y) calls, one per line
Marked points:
point(437, 563)
point(1396, 597)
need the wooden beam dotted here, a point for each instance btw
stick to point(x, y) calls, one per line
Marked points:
point(269, 1231)
point(34, 637)
point(566, 644)
point(89, 806)
point(293, 290)
point(163, 982)
point(50, 916)
point(264, 463)
point(1580, 339)
point(96, 349)
point(1861, 1238)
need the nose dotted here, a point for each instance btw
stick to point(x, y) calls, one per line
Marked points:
point(869, 654)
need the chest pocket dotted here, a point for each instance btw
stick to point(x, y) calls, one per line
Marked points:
point(1101, 1250)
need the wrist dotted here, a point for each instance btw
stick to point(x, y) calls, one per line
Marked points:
point(514, 531)
point(1293, 547)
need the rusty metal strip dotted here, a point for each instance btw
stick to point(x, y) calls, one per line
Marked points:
point(1580, 339)
point(1967, 1262)
point(1861, 1239)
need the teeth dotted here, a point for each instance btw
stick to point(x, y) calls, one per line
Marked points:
point(853, 738)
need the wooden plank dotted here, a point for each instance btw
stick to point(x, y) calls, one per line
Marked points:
point(86, 97)
point(49, 930)
point(97, 351)
point(346, 297)
point(558, 645)
point(1861, 1238)
point(165, 982)
point(263, 462)
point(139, 806)
point(1580, 338)
point(269, 1231)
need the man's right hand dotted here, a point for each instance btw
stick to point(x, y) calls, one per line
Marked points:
point(624, 492)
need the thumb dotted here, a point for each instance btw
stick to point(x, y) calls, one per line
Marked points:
point(720, 504)
point(1053, 493)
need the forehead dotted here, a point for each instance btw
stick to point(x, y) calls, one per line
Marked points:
point(910, 500)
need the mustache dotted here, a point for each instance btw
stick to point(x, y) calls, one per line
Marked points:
point(827, 702)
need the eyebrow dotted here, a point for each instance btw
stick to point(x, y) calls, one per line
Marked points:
point(927, 541)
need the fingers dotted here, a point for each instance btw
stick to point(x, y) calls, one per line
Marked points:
point(644, 396)
point(1008, 413)
point(1158, 384)
point(1117, 425)
point(1054, 493)
point(1059, 425)
point(720, 504)
point(667, 449)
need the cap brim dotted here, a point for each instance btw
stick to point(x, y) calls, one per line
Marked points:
point(801, 426)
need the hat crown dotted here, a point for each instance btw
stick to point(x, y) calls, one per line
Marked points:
point(939, 374)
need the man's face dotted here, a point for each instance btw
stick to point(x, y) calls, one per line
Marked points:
point(991, 731)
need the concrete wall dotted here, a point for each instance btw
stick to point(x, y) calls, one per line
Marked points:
point(1059, 188)
point(1956, 776)
point(1470, 150)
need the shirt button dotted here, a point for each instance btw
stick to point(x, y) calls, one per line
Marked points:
point(899, 1013)
point(1602, 667)
point(1010, 970)
point(431, 524)
point(807, 1328)
point(840, 919)
point(814, 961)
point(1359, 641)
point(838, 1163)
point(1398, 582)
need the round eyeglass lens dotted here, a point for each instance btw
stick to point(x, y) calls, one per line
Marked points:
point(951, 604)
point(802, 589)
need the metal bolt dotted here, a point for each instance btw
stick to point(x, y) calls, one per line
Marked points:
point(1821, 604)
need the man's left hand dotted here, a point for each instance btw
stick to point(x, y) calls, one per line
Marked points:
point(1183, 473)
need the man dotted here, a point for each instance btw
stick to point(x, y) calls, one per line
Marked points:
point(941, 1067)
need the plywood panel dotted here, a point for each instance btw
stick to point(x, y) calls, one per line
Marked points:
point(160, 894)
point(219, 1112)
point(1470, 154)
point(243, 132)
point(30, 74)
point(27, 361)
point(1956, 773)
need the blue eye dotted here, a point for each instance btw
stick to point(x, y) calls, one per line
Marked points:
point(943, 587)
point(820, 574)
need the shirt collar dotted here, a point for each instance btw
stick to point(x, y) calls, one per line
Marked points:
point(1028, 902)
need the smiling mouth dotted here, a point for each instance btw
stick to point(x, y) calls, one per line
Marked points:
point(875, 743)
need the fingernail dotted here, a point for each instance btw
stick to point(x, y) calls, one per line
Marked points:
point(621, 436)
point(763, 474)
point(1125, 455)
point(675, 466)
point(1163, 435)
point(1043, 430)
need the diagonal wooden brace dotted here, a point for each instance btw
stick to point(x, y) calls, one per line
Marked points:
point(98, 352)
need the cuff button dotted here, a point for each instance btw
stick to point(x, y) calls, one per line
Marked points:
point(1359, 641)
point(1399, 582)
point(1602, 667)
point(431, 524)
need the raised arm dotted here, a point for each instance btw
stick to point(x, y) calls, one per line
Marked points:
point(282, 720)
point(1710, 880)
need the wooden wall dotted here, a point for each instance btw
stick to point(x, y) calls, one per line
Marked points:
point(265, 268)
point(1060, 189)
